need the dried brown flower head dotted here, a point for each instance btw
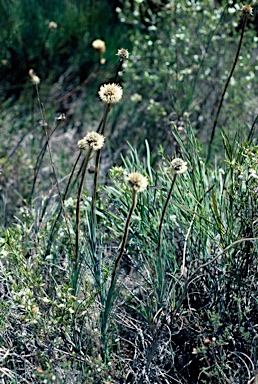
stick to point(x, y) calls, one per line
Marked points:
point(178, 165)
point(111, 93)
point(123, 54)
point(137, 181)
point(247, 10)
point(93, 140)
point(99, 46)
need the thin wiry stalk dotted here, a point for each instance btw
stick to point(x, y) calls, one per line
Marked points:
point(46, 203)
point(104, 120)
point(163, 214)
point(110, 295)
point(96, 173)
point(252, 129)
point(93, 199)
point(94, 193)
point(226, 87)
point(40, 158)
point(185, 244)
point(93, 222)
point(60, 210)
point(118, 70)
point(205, 50)
point(77, 228)
point(52, 163)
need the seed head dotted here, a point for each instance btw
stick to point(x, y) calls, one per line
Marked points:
point(247, 10)
point(178, 165)
point(123, 54)
point(137, 181)
point(52, 25)
point(35, 79)
point(60, 117)
point(111, 93)
point(99, 46)
point(93, 140)
point(135, 98)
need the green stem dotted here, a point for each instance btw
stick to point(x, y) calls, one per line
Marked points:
point(77, 228)
point(60, 210)
point(112, 286)
point(163, 214)
point(95, 185)
point(225, 88)
point(252, 129)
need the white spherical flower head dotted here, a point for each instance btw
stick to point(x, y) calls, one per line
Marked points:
point(93, 140)
point(178, 165)
point(123, 54)
point(137, 181)
point(111, 93)
point(99, 46)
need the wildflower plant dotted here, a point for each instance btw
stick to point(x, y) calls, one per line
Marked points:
point(146, 272)
point(111, 93)
point(99, 46)
point(93, 140)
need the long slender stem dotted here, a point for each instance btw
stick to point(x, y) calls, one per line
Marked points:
point(77, 228)
point(252, 129)
point(226, 87)
point(164, 212)
point(52, 162)
point(110, 296)
point(40, 159)
point(95, 182)
point(60, 210)
point(94, 192)
point(124, 240)
point(93, 199)
point(183, 268)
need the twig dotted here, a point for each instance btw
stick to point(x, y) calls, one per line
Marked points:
point(51, 161)
point(77, 228)
point(163, 214)
point(60, 210)
point(185, 243)
point(108, 303)
point(226, 87)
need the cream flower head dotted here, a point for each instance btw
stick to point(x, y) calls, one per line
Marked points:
point(111, 93)
point(123, 54)
point(99, 46)
point(93, 140)
point(178, 165)
point(137, 181)
point(52, 25)
point(35, 79)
